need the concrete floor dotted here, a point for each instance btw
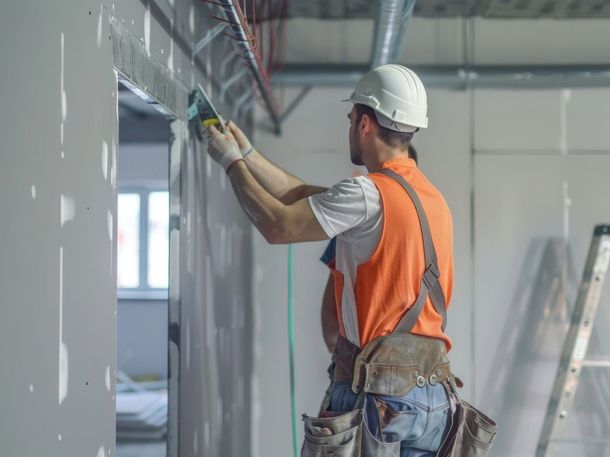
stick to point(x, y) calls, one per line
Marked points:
point(144, 449)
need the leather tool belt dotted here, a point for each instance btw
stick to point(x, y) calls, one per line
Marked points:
point(393, 364)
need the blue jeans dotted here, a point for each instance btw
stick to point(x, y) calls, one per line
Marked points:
point(419, 420)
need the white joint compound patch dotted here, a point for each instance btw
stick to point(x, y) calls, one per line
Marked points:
point(147, 29)
point(109, 222)
point(188, 345)
point(105, 159)
point(31, 388)
point(64, 102)
point(113, 165)
point(101, 452)
point(99, 28)
point(33, 192)
point(192, 19)
point(63, 350)
point(63, 372)
point(59, 437)
point(170, 55)
point(66, 209)
point(107, 378)
point(566, 95)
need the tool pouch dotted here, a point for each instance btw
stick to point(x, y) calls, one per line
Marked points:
point(343, 435)
point(471, 433)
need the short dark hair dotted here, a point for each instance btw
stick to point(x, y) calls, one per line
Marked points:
point(392, 138)
point(412, 153)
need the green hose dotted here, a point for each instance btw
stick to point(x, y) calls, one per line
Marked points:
point(293, 406)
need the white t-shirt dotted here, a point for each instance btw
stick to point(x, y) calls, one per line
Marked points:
point(351, 211)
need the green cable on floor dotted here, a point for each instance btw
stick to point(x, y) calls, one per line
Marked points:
point(293, 405)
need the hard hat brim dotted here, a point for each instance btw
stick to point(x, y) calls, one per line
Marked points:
point(386, 122)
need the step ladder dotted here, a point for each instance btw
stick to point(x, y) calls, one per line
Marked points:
point(573, 355)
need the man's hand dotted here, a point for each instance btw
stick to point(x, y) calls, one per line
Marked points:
point(242, 140)
point(222, 147)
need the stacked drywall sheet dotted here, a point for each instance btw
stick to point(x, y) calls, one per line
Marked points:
point(141, 414)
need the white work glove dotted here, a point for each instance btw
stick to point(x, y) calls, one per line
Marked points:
point(222, 147)
point(245, 147)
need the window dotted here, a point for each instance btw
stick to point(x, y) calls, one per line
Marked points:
point(128, 240)
point(143, 243)
point(158, 242)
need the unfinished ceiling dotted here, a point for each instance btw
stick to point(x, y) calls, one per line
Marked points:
point(561, 9)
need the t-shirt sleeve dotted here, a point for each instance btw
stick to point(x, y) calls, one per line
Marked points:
point(341, 207)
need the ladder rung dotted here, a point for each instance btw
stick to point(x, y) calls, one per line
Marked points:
point(597, 362)
point(583, 441)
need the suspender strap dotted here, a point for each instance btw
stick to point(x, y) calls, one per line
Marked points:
point(429, 285)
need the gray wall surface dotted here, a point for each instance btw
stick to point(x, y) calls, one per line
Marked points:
point(524, 173)
point(58, 267)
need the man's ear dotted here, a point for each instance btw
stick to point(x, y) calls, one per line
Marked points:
point(365, 124)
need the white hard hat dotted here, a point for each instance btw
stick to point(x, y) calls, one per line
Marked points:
point(396, 94)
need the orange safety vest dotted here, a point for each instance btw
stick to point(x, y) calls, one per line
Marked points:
point(388, 284)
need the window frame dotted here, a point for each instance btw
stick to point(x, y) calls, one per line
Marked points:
point(143, 292)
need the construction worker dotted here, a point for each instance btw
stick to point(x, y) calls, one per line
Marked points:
point(330, 324)
point(392, 274)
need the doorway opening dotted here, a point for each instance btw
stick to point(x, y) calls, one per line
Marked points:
point(142, 277)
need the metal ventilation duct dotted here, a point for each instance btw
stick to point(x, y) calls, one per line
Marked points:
point(503, 9)
point(392, 20)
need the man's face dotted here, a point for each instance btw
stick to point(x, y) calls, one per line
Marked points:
point(355, 149)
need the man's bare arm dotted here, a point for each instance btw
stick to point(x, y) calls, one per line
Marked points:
point(330, 323)
point(284, 186)
point(277, 222)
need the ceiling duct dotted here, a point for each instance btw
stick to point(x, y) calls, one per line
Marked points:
point(501, 9)
point(391, 23)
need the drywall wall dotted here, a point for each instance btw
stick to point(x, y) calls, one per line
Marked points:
point(58, 205)
point(523, 173)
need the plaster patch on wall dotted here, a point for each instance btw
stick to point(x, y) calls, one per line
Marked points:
point(208, 166)
point(222, 261)
point(113, 164)
point(61, 133)
point(99, 27)
point(107, 378)
point(170, 56)
point(109, 223)
point(66, 209)
point(188, 345)
point(63, 372)
point(206, 434)
point(31, 388)
point(192, 19)
point(105, 159)
point(101, 452)
point(565, 95)
point(147, 28)
point(59, 437)
point(64, 101)
point(33, 192)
